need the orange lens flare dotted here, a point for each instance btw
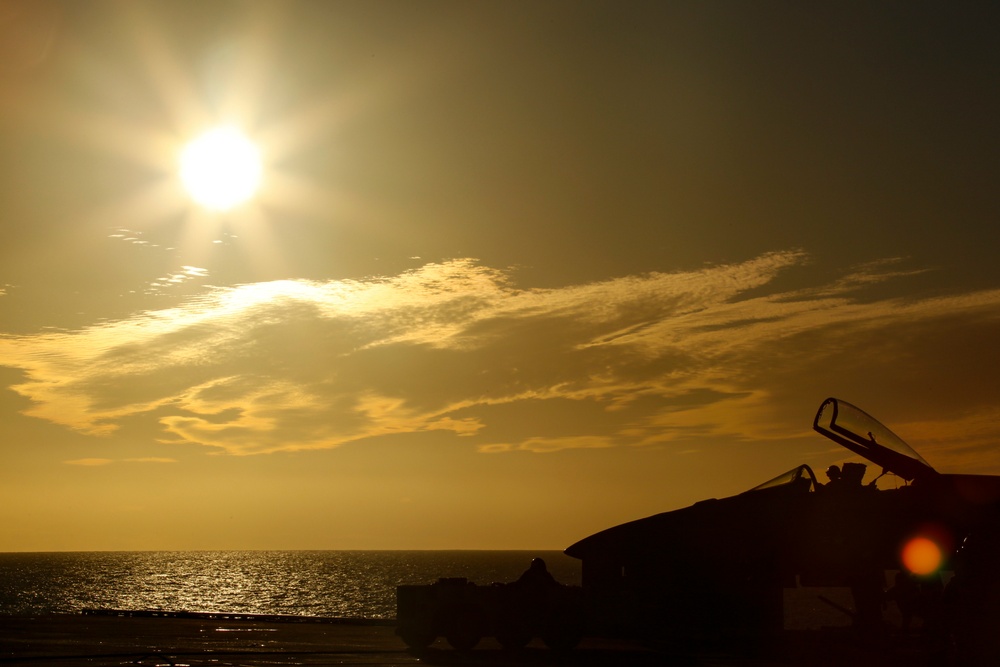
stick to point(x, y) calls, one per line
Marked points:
point(922, 556)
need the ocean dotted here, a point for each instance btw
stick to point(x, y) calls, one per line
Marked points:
point(343, 584)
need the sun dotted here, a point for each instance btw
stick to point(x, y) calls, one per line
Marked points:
point(221, 168)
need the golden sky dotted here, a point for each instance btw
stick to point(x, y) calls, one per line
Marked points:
point(516, 272)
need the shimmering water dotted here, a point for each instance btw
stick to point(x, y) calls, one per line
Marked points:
point(314, 583)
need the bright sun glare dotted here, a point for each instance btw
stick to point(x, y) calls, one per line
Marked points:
point(221, 168)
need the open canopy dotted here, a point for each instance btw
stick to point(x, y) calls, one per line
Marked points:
point(861, 433)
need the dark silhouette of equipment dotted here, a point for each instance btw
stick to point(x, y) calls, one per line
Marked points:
point(715, 572)
point(535, 605)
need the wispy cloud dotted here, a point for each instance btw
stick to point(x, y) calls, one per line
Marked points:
point(89, 462)
point(92, 462)
point(457, 348)
point(543, 445)
point(183, 275)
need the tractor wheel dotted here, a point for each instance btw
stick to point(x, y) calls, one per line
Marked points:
point(465, 628)
point(416, 638)
point(562, 639)
point(564, 630)
point(513, 636)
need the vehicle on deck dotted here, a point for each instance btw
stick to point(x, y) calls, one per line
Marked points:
point(514, 613)
point(715, 571)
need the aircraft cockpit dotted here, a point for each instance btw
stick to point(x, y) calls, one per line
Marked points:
point(800, 478)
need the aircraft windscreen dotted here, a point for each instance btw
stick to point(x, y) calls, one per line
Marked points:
point(802, 476)
point(855, 429)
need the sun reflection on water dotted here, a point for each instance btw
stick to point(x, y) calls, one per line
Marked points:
point(309, 583)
